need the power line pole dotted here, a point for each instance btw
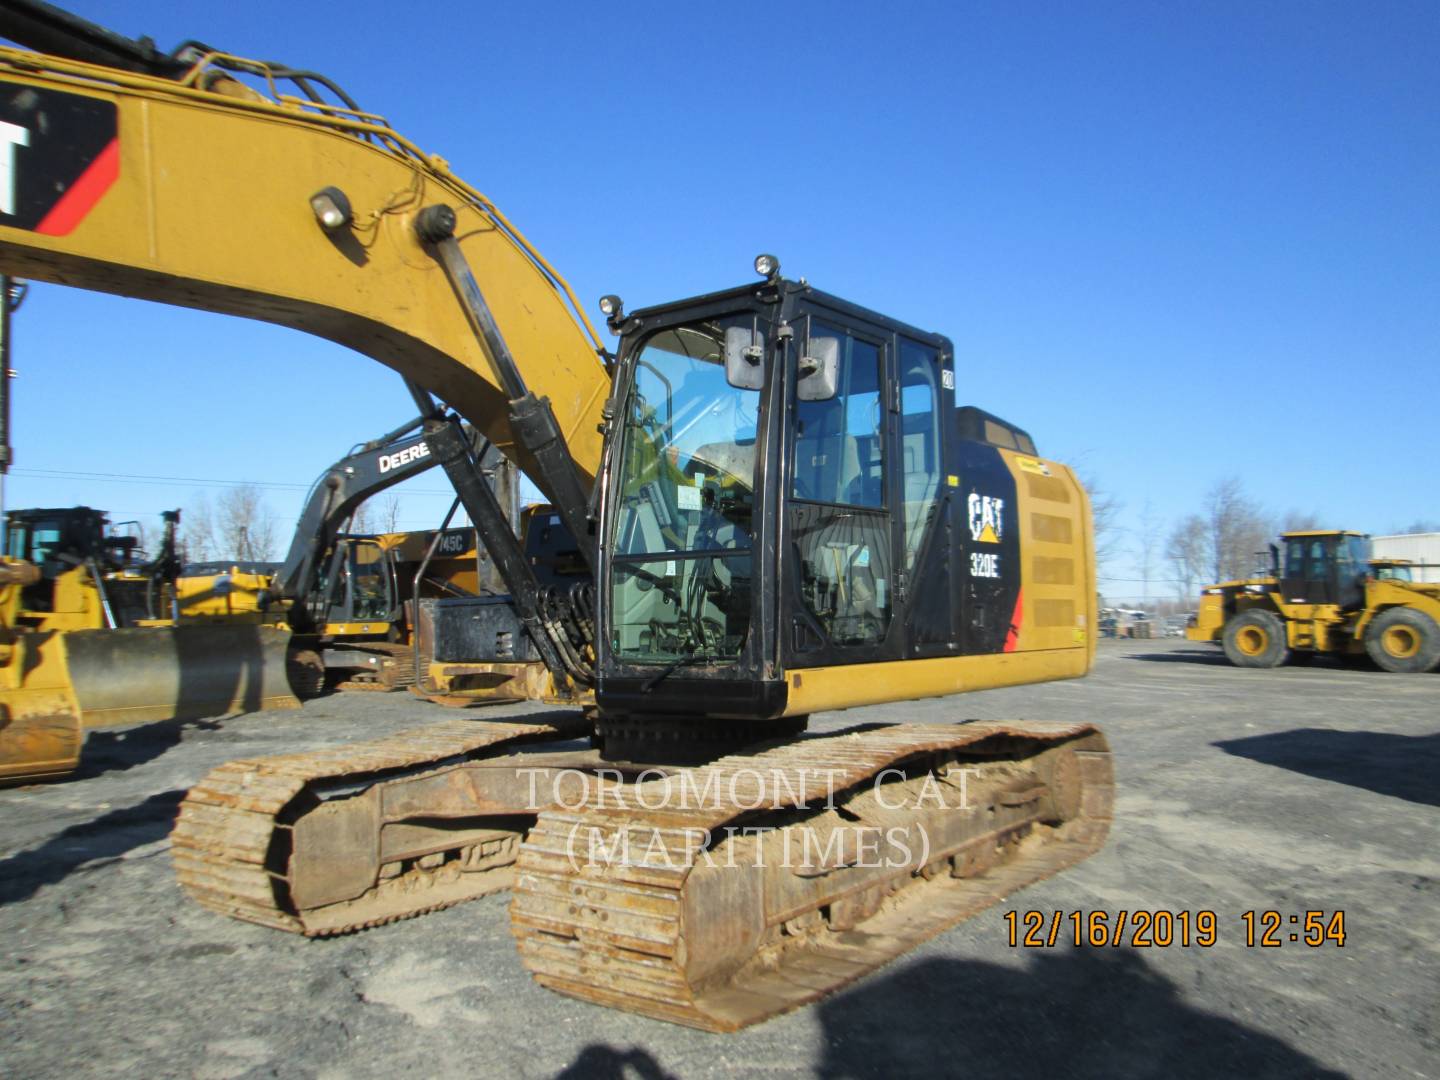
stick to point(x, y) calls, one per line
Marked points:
point(12, 294)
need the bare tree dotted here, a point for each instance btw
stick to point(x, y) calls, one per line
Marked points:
point(1296, 521)
point(1105, 512)
point(361, 521)
point(1147, 547)
point(244, 527)
point(1420, 526)
point(198, 524)
point(1238, 529)
point(390, 513)
point(1187, 552)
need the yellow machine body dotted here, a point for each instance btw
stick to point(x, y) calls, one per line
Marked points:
point(68, 667)
point(1327, 600)
point(231, 594)
point(40, 733)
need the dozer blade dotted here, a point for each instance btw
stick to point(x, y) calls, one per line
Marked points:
point(40, 732)
point(763, 882)
point(177, 673)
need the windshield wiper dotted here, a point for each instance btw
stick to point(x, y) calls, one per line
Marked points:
point(670, 668)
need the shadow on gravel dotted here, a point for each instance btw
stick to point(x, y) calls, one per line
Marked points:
point(1215, 657)
point(1404, 766)
point(600, 1062)
point(1070, 1012)
point(111, 750)
point(1183, 656)
point(106, 837)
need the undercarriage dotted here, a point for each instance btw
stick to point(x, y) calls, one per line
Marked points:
point(713, 896)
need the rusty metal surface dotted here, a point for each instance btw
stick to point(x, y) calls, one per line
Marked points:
point(673, 936)
point(352, 837)
point(395, 667)
point(238, 843)
point(43, 746)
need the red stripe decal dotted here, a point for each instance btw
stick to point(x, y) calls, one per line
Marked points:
point(84, 193)
point(1012, 636)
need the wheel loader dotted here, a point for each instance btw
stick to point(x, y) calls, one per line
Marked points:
point(782, 506)
point(1329, 596)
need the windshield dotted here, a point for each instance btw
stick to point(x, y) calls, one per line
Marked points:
point(1386, 571)
point(680, 578)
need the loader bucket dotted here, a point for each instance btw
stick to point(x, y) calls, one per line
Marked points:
point(40, 733)
point(145, 674)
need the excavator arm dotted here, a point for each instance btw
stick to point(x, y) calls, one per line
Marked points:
point(367, 470)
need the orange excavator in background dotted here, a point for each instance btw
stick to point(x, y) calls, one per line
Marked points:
point(782, 506)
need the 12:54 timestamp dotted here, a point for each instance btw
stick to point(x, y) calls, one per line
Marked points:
point(1144, 929)
point(1270, 929)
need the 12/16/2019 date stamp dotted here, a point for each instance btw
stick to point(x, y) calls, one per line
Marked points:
point(1144, 929)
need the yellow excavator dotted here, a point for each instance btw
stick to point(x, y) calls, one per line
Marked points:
point(782, 506)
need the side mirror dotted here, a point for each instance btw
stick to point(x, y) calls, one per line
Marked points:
point(819, 370)
point(744, 358)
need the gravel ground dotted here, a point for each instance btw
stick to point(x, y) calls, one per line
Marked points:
point(1292, 790)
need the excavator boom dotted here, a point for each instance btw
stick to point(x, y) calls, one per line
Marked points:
point(117, 189)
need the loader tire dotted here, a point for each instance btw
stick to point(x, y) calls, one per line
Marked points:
point(1402, 639)
point(1256, 639)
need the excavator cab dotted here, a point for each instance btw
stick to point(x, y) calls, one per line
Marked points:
point(1325, 568)
point(792, 493)
point(358, 586)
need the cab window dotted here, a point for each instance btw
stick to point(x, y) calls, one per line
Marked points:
point(919, 439)
point(839, 456)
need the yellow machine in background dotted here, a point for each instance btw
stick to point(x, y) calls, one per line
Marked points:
point(364, 608)
point(514, 670)
point(88, 626)
point(40, 733)
point(1327, 597)
point(224, 590)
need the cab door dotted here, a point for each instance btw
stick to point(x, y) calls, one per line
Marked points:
point(869, 553)
point(1309, 576)
point(841, 545)
point(927, 551)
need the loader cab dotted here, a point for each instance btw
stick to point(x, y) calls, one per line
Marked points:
point(58, 540)
point(1325, 568)
point(54, 539)
point(1392, 570)
point(784, 495)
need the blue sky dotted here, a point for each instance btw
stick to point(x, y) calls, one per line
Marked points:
point(1173, 242)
